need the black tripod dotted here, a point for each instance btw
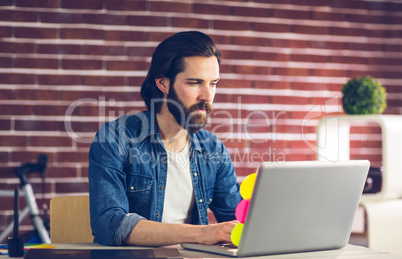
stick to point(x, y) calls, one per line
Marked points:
point(26, 190)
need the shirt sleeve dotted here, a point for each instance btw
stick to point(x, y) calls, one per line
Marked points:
point(111, 221)
point(226, 190)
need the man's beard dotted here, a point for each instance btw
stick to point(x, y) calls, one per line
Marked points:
point(188, 118)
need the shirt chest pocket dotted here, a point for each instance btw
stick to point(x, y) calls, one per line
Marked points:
point(139, 193)
point(139, 184)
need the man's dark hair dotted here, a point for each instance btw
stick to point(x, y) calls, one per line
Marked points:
point(168, 61)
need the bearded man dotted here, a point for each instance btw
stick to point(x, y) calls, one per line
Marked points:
point(154, 175)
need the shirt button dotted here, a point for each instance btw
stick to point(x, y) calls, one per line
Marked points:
point(131, 188)
point(195, 174)
point(158, 215)
point(162, 188)
point(210, 200)
point(200, 200)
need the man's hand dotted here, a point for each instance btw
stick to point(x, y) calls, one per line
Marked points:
point(215, 233)
point(150, 233)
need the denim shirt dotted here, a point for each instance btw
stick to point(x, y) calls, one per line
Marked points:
point(127, 177)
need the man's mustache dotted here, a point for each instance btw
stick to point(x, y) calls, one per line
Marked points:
point(202, 106)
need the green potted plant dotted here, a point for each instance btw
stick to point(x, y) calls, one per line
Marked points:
point(363, 95)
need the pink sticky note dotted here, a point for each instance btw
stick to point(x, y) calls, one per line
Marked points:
point(241, 210)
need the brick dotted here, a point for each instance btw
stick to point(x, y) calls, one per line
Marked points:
point(6, 94)
point(308, 3)
point(105, 19)
point(211, 9)
point(256, 70)
point(349, 31)
point(252, 98)
point(233, 83)
point(330, 72)
point(233, 25)
point(310, 58)
point(76, 95)
point(305, 29)
point(78, 4)
point(127, 36)
point(135, 81)
point(59, 80)
point(35, 33)
point(310, 86)
point(170, 7)
point(75, 187)
point(349, 60)
point(13, 141)
point(104, 81)
point(272, 27)
point(350, 4)
point(14, 47)
point(250, 41)
point(89, 110)
point(289, 100)
point(61, 17)
point(271, 56)
point(271, 85)
point(251, 11)
point(124, 96)
point(140, 51)
point(190, 23)
point(82, 64)
point(138, 5)
point(289, 43)
point(391, 19)
point(104, 50)
point(290, 14)
point(34, 3)
point(126, 65)
point(30, 156)
point(14, 78)
point(291, 71)
point(18, 16)
point(35, 125)
point(46, 141)
point(61, 172)
point(35, 94)
point(51, 110)
point(78, 126)
point(6, 62)
point(90, 34)
point(140, 20)
point(236, 54)
point(327, 45)
point(5, 125)
point(59, 49)
point(36, 63)
point(7, 3)
point(330, 16)
point(221, 39)
point(223, 98)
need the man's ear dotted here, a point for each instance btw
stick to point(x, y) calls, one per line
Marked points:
point(163, 84)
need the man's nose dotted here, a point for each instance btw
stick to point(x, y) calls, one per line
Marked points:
point(207, 93)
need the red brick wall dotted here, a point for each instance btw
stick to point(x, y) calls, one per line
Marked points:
point(282, 61)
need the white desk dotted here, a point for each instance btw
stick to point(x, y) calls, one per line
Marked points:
point(348, 252)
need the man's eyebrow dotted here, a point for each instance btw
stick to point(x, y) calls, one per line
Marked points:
point(201, 80)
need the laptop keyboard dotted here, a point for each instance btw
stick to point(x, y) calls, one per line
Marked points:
point(227, 245)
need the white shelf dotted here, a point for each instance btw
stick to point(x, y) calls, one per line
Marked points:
point(333, 144)
point(383, 209)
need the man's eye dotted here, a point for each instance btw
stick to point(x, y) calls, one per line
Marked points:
point(193, 83)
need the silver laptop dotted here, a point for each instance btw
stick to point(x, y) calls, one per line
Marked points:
point(299, 207)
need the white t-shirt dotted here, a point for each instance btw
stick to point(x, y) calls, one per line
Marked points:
point(179, 194)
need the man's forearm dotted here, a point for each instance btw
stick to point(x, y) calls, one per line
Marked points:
point(150, 233)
